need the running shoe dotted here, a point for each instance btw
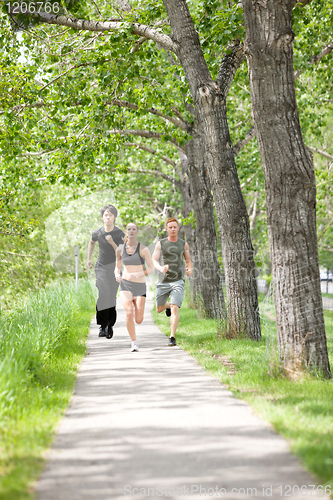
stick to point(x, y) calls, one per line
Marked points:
point(172, 341)
point(135, 346)
point(168, 312)
point(109, 332)
point(102, 331)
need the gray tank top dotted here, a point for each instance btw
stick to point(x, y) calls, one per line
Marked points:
point(172, 254)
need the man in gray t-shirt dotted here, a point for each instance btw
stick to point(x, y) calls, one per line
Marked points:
point(173, 250)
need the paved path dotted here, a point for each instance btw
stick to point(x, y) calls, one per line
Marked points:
point(153, 424)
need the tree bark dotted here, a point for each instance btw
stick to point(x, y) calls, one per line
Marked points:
point(290, 185)
point(189, 231)
point(210, 111)
point(206, 267)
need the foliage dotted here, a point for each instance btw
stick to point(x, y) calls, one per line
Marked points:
point(59, 122)
point(39, 355)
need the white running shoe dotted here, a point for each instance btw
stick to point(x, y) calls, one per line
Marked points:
point(135, 346)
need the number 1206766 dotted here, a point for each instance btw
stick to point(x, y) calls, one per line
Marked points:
point(33, 7)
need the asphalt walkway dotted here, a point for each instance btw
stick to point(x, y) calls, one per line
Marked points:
point(153, 424)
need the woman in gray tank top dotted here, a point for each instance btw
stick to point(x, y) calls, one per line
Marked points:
point(132, 288)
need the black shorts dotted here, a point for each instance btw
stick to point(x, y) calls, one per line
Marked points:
point(136, 289)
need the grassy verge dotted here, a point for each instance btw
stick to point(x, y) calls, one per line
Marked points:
point(300, 410)
point(41, 345)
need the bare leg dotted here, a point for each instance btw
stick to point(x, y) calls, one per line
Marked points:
point(139, 304)
point(174, 319)
point(127, 300)
point(160, 309)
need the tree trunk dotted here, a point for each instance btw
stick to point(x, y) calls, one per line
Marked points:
point(207, 266)
point(290, 185)
point(210, 111)
point(188, 229)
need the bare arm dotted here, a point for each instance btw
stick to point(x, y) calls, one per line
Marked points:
point(91, 246)
point(117, 270)
point(188, 261)
point(109, 239)
point(156, 256)
point(149, 261)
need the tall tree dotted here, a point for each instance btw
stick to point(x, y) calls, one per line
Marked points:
point(210, 114)
point(209, 99)
point(290, 185)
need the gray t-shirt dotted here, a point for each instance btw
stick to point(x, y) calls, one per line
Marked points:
point(172, 254)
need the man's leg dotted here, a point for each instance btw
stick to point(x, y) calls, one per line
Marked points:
point(102, 313)
point(162, 294)
point(176, 297)
point(162, 308)
point(174, 319)
point(113, 286)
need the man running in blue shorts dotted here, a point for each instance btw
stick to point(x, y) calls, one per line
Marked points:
point(173, 251)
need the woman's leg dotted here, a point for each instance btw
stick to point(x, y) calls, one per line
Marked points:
point(139, 304)
point(127, 300)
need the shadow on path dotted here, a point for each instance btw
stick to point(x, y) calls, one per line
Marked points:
point(154, 424)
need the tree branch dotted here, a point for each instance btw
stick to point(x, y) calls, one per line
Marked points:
point(12, 233)
point(322, 246)
point(328, 225)
point(180, 123)
point(20, 254)
point(320, 152)
point(125, 6)
point(97, 8)
point(148, 134)
point(41, 153)
point(144, 38)
point(138, 44)
point(250, 134)
point(158, 173)
point(151, 151)
point(83, 24)
point(249, 179)
point(67, 71)
point(229, 66)
point(316, 59)
point(303, 3)
point(20, 107)
point(176, 121)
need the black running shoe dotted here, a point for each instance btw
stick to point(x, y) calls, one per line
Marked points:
point(172, 341)
point(168, 312)
point(102, 331)
point(109, 333)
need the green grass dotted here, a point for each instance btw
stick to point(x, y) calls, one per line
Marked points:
point(300, 410)
point(41, 345)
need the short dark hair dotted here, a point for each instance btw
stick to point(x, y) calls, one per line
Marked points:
point(111, 209)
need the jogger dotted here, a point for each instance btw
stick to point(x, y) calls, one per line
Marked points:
point(133, 255)
point(109, 237)
point(173, 250)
